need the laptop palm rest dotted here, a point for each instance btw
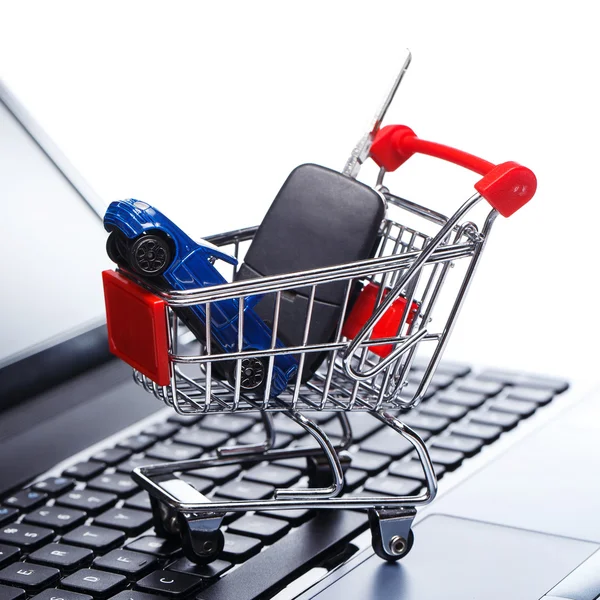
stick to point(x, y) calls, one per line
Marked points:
point(456, 559)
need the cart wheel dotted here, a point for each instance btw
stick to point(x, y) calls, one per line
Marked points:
point(201, 547)
point(319, 469)
point(395, 548)
point(150, 255)
point(115, 244)
point(253, 373)
point(164, 519)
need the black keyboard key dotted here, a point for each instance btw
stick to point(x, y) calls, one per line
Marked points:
point(198, 483)
point(161, 431)
point(446, 367)
point(309, 442)
point(11, 593)
point(7, 514)
point(409, 391)
point(531, 381)
point(112, 456)
point(54, 594)
point(468, 446)
point(477, 386)
point(155, 546)
point(218, 474)
point(128, 563)
point(265, 529)
point(89, 501)
point(487, 433)
point(426, 422)
point(462, 398)
point(171, 452)
point(538, 396)
point(245, 490)
point(413, 469)
point(56, 517)
point(184, 420)
point(128, 520)
point(454, 412)
point(141, 501)
point(294, 517)
point(438, 381)
point(210, 571)
point(363, 425)
point(294, 463)
point(114, 483)
point(26, 499)
point(354, 478)
point(202, 438)
point(27, 537)
point(28, 576)
point(96, 538)
point(133, 595)
point(273, 474)
point(258, 437)
point(515, 407)
point(169, 584)
point(387, 442)
point(8, 554)
point(371, 463)
point(54, 485)
point(316, 416)
point(85, 470)
point(239, 548)
point(284, 424)
point(137, 461)
point(448, 458)
point(277, 565)
point(94, 582)
point(137, 443)
point(62, 556)
point(232, 424)
point(393, 486)
point(493, 417)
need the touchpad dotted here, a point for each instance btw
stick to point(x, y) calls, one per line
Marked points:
point(459, 559)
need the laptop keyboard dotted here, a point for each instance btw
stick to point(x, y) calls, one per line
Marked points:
point(88, 532)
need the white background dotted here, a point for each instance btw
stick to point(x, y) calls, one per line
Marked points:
point(204, 108)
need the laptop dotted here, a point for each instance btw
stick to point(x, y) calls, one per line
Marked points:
point(515, 452)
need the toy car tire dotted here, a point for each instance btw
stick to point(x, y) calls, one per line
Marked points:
point(150, 255)
point(115, 245)
point(253, 373)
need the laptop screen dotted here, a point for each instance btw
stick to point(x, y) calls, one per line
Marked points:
point(51, 249)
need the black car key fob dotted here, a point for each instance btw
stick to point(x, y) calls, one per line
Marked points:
point(319, 218)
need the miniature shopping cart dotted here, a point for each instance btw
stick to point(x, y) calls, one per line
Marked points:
point(422, 269)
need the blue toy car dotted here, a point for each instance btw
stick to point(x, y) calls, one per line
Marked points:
point(147, 243)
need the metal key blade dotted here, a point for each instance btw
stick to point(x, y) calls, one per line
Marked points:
point(361, 150)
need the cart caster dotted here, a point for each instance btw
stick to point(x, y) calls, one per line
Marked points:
point(319, 468)
point(201, 537)
point(165, 519)
point(391, 532)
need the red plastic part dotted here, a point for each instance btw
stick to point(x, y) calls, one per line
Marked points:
point(507, 187)
point(137, 326)
point(387, 326)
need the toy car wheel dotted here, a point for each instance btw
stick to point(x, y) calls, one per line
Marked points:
point(115, 247)
point(253, 373)
point(150, 255)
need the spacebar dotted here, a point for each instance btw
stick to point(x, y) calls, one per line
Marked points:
point(302, 549)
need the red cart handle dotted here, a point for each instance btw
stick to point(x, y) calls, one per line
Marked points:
point(507, 186)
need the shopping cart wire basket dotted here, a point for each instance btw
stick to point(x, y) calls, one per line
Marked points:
point(365, 370)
